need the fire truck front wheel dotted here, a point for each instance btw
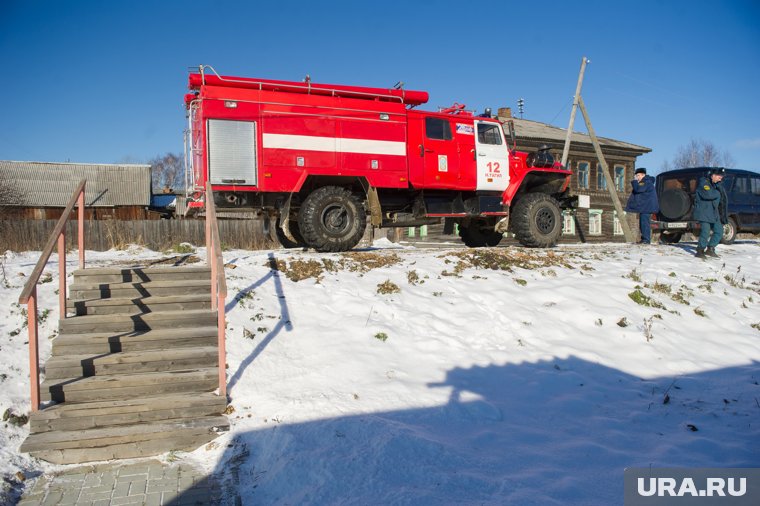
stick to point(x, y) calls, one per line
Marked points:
point(537, 220)
point(332, 219)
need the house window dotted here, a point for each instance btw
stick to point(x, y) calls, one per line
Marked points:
point(568, 223)
point(583, 175)
point(617, 228)
point(595, 222)
point(620, 178)
point(601, 181)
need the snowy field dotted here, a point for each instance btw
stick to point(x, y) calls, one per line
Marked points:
point(454, 376)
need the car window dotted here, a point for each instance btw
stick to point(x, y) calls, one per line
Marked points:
point(755, 181)
point(741, 185)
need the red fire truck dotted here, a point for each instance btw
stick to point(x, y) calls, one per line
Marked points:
point(323, 159)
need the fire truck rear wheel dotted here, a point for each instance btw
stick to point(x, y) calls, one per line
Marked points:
point(537, 220)
point(332, 219)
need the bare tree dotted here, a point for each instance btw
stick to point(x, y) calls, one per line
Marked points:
point(168, 172)
point(699, 153)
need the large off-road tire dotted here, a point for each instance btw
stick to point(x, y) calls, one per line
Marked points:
point(537, 220)
point(729, 232)
point(332, 219)
point(670, 238)
point(291, 240)
point(479, 233)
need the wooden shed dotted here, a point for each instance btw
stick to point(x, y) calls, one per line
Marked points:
point(42, 189)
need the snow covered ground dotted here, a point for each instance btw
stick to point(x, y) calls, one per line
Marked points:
point(454, 376)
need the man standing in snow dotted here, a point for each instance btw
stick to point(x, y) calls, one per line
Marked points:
point(710, 211)
point(643, 200)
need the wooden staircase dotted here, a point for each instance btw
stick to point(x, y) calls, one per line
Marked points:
point(133, 373)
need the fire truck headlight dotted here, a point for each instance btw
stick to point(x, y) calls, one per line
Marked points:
point(385, 117)
point(230, 104)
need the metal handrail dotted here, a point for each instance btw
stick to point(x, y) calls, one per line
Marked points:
point(218, 283)
point(29, 293)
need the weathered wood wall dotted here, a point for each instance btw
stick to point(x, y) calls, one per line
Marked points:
point(31, 235)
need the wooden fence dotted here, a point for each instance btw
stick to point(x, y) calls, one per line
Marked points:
point(159, 235)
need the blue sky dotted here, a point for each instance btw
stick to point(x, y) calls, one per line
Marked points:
point(103, 81)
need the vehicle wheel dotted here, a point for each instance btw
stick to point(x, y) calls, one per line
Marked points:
point(332, 219)
point(478, 234)
point(666, 238)
point(537, 220)
point(729, 232)
point(291, 240)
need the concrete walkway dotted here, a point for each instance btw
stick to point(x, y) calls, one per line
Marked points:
point(146, 483)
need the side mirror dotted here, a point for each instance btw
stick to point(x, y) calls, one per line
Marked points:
point(512, 136)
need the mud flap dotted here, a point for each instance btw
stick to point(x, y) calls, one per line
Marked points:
point(375, 210)
point(283, 219)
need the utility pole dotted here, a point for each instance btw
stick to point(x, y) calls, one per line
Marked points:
point(576, 97)
point(578, 101)
point(629, 237)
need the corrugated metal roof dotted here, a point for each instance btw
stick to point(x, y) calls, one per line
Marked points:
point(45, 184)
point(534, 129)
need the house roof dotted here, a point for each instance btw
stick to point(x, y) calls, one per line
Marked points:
point(45, 184)
point(525, 128)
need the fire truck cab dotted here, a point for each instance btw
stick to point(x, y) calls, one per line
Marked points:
point(323, 159)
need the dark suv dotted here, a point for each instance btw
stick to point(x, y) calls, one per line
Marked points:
point(675, 193)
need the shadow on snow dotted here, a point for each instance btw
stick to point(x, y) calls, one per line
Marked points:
point(551, 432)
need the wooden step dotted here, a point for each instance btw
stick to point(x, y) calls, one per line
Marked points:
point(131, 362)
point(137, 321)
point(126, 386)
point(140, 275)
point(127, 441)
point(144, 304)
point(84, 291)
point(89, 415)
point(108, 342)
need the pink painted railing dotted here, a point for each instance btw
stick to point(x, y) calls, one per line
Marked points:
point(29, 293)
point(218, 283)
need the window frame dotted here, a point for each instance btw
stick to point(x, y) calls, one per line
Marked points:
point(593, 216)
point(568, 223)
point(578, 174)
point(619, 178)
point(446, 134)
point(601, 181)
point(483, 128)
point(617, 227)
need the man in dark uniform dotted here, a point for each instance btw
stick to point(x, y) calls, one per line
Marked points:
point(710, 206)
point(643, 200)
